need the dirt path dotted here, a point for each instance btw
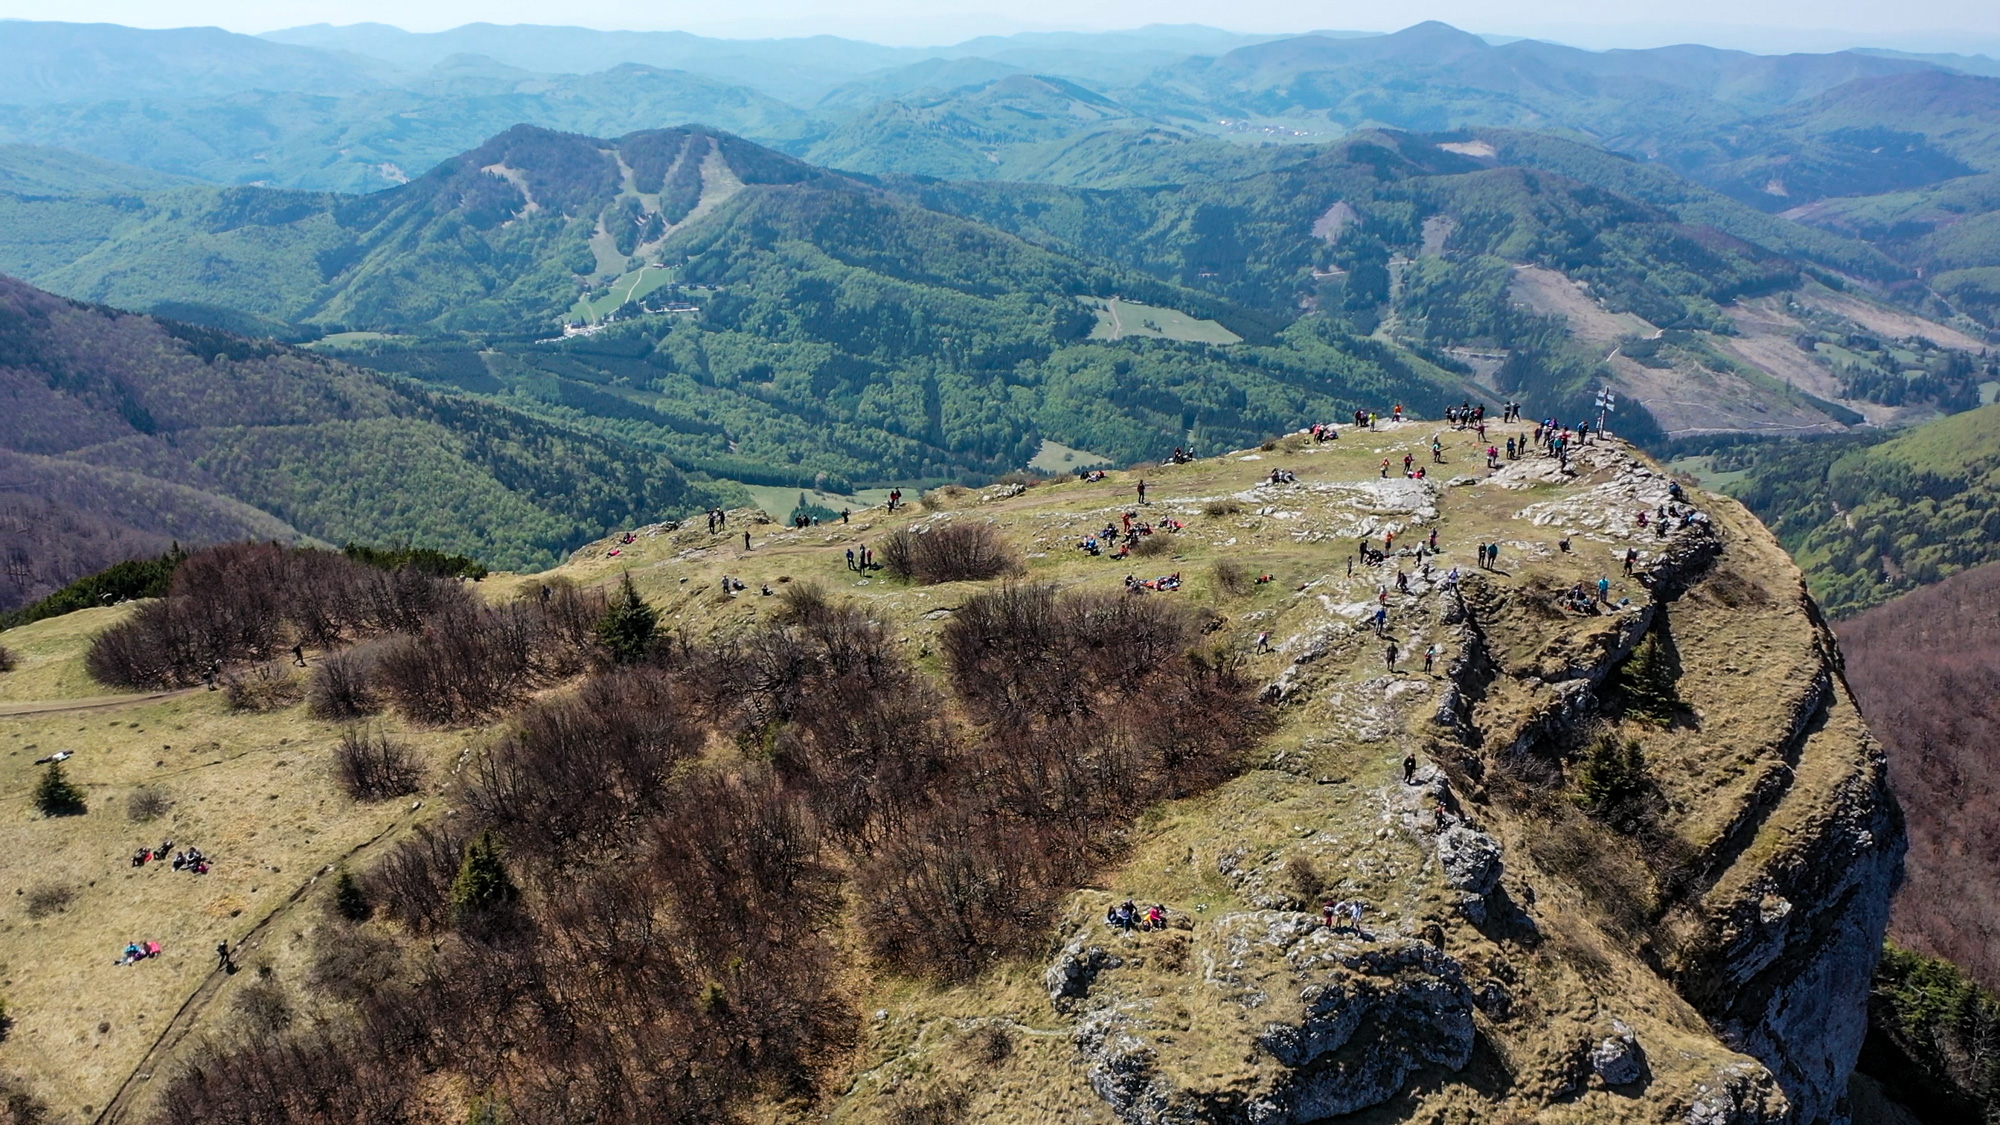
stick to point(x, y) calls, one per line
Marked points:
point(196, 1005)
point(87, 703)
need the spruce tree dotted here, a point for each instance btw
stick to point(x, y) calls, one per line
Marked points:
point(482, 886)
point(55, 795)
point(350, 898)
point(1649, 681)
point(627, 625)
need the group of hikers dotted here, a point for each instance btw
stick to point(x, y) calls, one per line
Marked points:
point(1127, 916)
point(1164, 583)
point(190, 859)
point(1127, 537)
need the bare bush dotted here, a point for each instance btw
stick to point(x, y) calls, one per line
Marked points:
point(954, 552)
point(1151, 546)
point(340, 686)
point(350, 963)
point(1222, 508)
point(261, 687)
point(49, 898)
point(413, 883)
point(374, 767)
point(8, 662)
point(582, 766)
point(148, 802)
point(248, 601)
point(262, 1008)
point(1231, 578)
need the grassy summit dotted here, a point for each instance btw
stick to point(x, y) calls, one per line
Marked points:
point(748, 709)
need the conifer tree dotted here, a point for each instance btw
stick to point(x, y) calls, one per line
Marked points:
point(56, 795)
point(627, 625)
point(482, 886)
point(350, 898)
point(1649, 680)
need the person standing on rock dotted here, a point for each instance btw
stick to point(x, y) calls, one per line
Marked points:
point(1142, 490)
point(1430, 656)
point(1631, 560)
point(746, 540)
point(1389, 656)
point(1409, 769)
point(1604, 589)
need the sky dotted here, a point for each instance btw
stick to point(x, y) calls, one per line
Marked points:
point(1764, 25)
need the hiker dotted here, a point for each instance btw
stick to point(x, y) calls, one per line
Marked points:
point(1631, 558)
point(711, 521)
point(1327, 911)
point(1409, 768)
point(1389, 656)
point(850, 558)
point(1142, 490)
point(1264, 641)
point(1493, 556)
point(1563, 543)
point(1397, 414)
point(1604, 589)
point(222, 954)
point(1408, 460)
point(1381, 621)
point(299, 656)
point(1437, 451)
point(843, 515)
point(1385, 468)
point(1434, 541)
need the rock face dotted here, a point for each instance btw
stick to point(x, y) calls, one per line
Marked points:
point(1341, 1019)
point(1700, 952)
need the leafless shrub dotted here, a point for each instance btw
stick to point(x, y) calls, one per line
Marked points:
point(1151, 546)
point(261, 687)
point(954, 552)
point(1231, 578)
point(990, 1045)
point(339, 686)
point(351, 962)
point(413, 883)
point(374, 767)
point(148, 802)
point(582, 766)
point(49, 898)
point(7, 659)
point(262, 1007)
point(1222, 507)
point(1303, 879)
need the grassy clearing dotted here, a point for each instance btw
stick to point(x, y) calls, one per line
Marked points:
point(254, 792)
point(1055, 457)
point(631, 286)
point(1118, 319)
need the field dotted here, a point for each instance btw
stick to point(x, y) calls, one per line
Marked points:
point(777, 501)
point(1055, 457)
point(631, 286)
point(1118, 319)
point(254, 792)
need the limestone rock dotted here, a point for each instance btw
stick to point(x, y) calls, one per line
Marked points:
point(1340, 1023)
point(1617, 1058)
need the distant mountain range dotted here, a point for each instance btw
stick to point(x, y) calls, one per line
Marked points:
point(920, 276)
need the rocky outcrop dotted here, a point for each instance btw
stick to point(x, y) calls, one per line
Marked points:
point(1338, 1022)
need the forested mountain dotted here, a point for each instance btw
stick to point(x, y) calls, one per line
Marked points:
point(124, 433)
point(1872, 516)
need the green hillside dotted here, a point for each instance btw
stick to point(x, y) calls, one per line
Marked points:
point(1871, 518)
point(126, 433)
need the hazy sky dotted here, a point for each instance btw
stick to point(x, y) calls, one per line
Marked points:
point(1752, 24)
